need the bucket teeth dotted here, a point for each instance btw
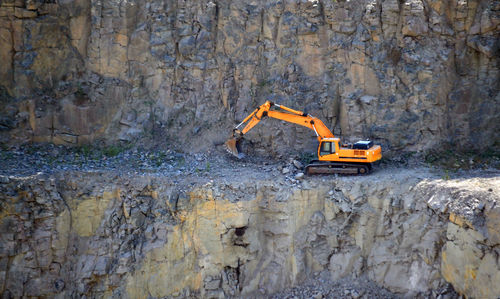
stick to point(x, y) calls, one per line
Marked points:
point(231, 147)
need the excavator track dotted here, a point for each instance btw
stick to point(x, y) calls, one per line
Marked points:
point(325, 167)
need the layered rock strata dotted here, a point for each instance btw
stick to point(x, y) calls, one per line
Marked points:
point(98, 234)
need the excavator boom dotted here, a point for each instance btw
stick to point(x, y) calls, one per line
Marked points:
point(291, 115)
point(334, 157)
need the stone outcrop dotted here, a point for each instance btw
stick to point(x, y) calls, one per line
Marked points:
point(97, 234)
point(412, 75)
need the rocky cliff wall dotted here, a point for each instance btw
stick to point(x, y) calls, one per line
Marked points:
point(97, 234)
point(412, 74)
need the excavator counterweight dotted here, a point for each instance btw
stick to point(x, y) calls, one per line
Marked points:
point(333, 157)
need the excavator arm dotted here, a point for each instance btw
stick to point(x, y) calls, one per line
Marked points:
point(290, 115)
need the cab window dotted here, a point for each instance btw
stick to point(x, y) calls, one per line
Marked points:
point(327, 148)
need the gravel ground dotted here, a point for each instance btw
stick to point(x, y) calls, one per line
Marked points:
point(30, 160)
point(319, 285)
point(217, 165)
point(51, 158)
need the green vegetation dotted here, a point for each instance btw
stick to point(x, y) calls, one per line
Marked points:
point(181, 162)
point(80, 92)
point(408, 155)
point(112, 150)
point(5, 155)
point(84, 150)
point(456, 160)
point(263, 87)
point(263, 83)
point(32, 149)
point(54, 155)
point(158, 158)
point(95, 152)
point(306, 158)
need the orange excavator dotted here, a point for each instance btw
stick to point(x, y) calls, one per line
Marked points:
point(333, 157)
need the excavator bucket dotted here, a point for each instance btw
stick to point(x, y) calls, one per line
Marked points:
point(233, 147)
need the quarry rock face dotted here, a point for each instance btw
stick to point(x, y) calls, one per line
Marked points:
point(97, 234)
point(412, 75)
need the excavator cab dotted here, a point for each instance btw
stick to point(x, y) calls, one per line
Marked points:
point(326, 148)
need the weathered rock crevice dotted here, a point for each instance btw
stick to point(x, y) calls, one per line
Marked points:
point(412, 75)
point(96, 234)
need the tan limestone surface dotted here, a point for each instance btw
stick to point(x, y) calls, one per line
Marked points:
point(103, 234)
